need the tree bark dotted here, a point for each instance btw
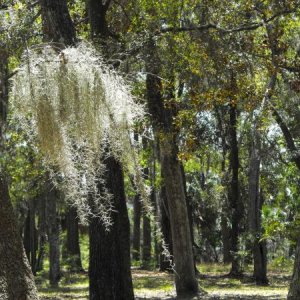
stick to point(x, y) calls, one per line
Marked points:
point(294, 290)
point(109, 268)
point(225, 226)
point(16, 279)
point(57, 24)
point(185, 278)
point(235, 201)
point(97, 11)
point(136, 242)
point(72, 243)
point(288, 138)
point(254, 211)
point(53, 233)
point(30, 236)
point(225, 231)
point(146, 250)
point(42, 231)
point(26, 235)
point(164, 262)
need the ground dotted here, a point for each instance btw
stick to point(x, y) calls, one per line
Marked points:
point(158, 285)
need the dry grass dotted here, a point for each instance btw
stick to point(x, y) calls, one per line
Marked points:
point(159, 285)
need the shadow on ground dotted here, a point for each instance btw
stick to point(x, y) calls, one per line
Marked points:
point(157, 285)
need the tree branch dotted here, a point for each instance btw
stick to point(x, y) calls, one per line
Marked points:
point(245, 27)
point(107, 4)
point(287, 136)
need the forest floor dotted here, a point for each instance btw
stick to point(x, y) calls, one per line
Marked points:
point(159, 285)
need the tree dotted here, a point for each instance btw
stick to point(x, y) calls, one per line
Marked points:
point(72, 243)
point(235, 203)
point(53, 232)
point(109, 270)
point(16, 279)
point(58, 28)
point(136, 240)
point(259, 248)
point(30, 235)
point(185, 278)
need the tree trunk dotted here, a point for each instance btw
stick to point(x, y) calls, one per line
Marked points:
point(190, 214)
point(236, 204)
point(30, 236)
point(26, 235)
point(109, 270)
point(155, 228)
point(294, 290)
point(165, 263)
point(136, 242)
point(57, 28)
point(42, 231)
point(225, 231)
point(254, 210)
point(53, 234)
point(57, 24)
point(146, 250)
point(291, 145)
point(97, 16)
point(225, 226)
point(16, 279)
point(72, 243)
point(185, 278)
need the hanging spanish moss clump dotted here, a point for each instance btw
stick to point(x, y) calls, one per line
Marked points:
point(80, 112)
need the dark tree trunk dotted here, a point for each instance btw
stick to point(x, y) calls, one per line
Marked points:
point(30, 236)
point(294, 290)
point(109, 270)
point(225, 215)
point(97, 16)
point(165, 263)
point(72, 242)
point(185, 278)
point(136, 241)
point(16, 279)
point(226, 240)
point(288, 138)
point(155, 228)
point(53, 226)
point(254, 217)
point(146, 250)
point(26, 235)
point(42, 231)
point(57, 24)
point(235, 201)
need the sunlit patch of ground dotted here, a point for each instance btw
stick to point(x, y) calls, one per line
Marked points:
point(159, 285)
